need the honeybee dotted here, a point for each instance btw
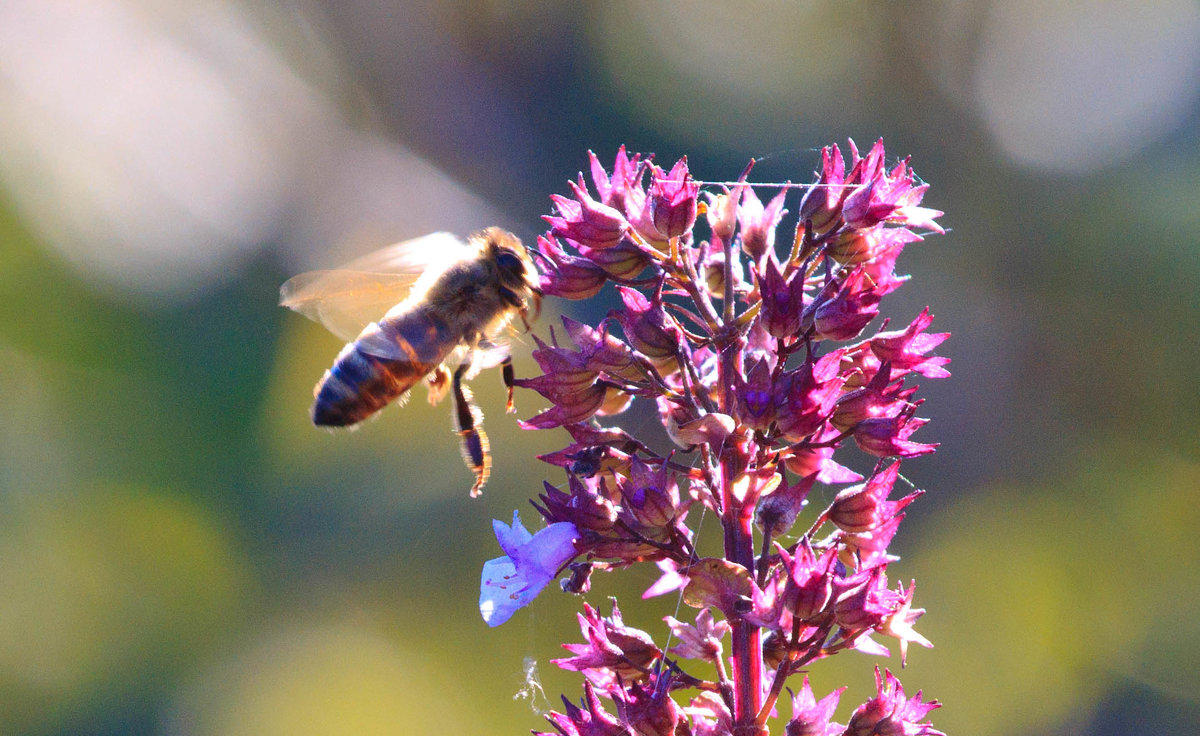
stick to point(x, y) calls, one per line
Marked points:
point(443, 302)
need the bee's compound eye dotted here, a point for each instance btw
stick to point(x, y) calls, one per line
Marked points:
point(510, 262)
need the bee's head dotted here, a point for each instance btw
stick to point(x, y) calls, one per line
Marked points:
point(515, 267)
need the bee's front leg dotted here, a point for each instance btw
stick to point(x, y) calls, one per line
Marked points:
point(468, 422)
point(506, 370)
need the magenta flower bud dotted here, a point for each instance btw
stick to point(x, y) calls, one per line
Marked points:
point(647, 326)
point(567, 383)
point(811, 717)
point(864, 507)
point(809, 586)
point(570, 277)
point(865, 206)
point(852, 247)
point(722, 213)
point(583, 506)
point(565, 371)
point(586, 221)
point(611, 645)
point(759, 223)
point(805, 397)
point(869, 548)
point(672, 199)
point(648, 710)
point(803, 461)
point(699, 641)
point(889, 197)
point(842, 310)
point(890, 714)
point(888, 436)
point(822, 202)
point(623, 262)
point(906, 350)
point(603, 352)
point(755, 402)
point(876, 399)
point(590, 720)
point(782, 301)
point(859, 600)
point(625, 175)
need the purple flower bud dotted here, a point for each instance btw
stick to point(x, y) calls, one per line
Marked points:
point(590, 720)
point(843, 309)
point(813, 718)
point(777, 512)
point(722, 213)
point(877, 399)
point(603, 352)
point(623, 261)
point(647, 326)
point(865, 506)
point(625, 175)
point(759, 223)
point(612, 646)
point(568, 276)
point(888, 436)
point(805, 397)
point(822, 202)
point(755, 403)
point(890, 714)
point(672, 199)
point(782, 301)
point(583, 507)
point(586, 221)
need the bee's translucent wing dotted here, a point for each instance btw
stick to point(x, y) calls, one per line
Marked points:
point(489, 353)
point(346, 299)
point(412, 256)
point(492, 353)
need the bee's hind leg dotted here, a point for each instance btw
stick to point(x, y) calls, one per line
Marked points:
point(506, 370)
point(468, 422)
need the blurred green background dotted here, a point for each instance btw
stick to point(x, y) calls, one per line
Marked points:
point(182, 553)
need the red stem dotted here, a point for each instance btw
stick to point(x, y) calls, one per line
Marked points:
point(746, 637)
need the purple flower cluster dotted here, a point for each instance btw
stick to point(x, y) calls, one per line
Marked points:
point(757, 362)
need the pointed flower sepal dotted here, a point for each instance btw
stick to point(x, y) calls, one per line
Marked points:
point(864, 507)
point(613, 651)
point(889, 712)
point(586, 221)
point(529, 563)
point(671, 202)
point(811, 717)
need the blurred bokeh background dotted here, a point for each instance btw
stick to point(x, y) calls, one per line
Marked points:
point(181, 553)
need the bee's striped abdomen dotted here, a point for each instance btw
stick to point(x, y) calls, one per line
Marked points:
point(361, 382)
